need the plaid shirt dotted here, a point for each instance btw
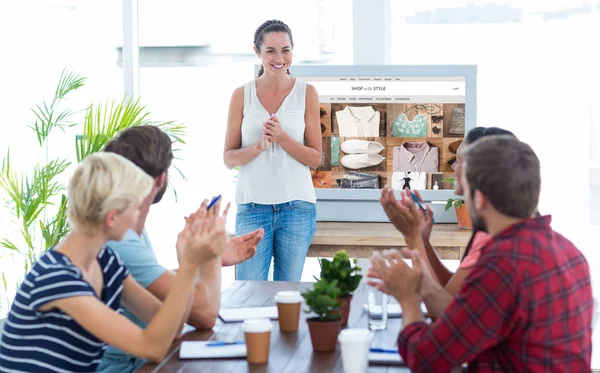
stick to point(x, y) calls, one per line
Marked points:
point(526, 306)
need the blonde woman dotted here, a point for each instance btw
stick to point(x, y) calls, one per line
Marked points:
point(67, 308)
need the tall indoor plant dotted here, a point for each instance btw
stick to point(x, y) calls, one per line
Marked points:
point(323, 300)
point(347, 274)
point(36, 197)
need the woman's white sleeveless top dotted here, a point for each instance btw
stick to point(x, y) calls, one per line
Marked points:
point(274, 176)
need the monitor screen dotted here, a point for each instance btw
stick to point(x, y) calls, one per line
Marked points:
point(396, 131)
point(400, 129)
point(399, 126)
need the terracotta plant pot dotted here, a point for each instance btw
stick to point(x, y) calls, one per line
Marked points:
point(345, 309)
point(463, 218)
point(324, 334)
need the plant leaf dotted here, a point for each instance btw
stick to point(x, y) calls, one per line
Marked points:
point(68, 82)
point(448, 204)
point(9, 245)
point(103, 122)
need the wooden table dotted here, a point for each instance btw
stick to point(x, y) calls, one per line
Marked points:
point(289, 352)
point(360, 239)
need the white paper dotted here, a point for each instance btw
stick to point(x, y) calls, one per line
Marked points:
point(393, 310)
point(241, 314)
point(418, 180)
point(385, 358)
point(200, 350)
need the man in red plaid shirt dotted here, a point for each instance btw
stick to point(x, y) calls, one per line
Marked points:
point(527, 304)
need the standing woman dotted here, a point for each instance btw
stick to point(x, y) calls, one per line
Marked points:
point(274, 136)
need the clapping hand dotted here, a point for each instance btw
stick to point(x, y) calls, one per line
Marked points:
point(373, 278)
point(263, 144)
point(398, 279)
point(403, 214)
point(242, 248)
point(203, 237)
point(426, 220)
point(272, 129)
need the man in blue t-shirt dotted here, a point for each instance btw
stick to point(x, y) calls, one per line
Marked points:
point(150, 149)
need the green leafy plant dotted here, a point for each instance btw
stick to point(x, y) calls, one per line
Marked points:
point(36, 197)
point(456, 202)
point(104, 121)
point(48, 115)
point(342, 269)
point(323, 299)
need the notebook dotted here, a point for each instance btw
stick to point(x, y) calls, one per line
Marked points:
point(200, 350)
point(394, 310)
point(228, 315)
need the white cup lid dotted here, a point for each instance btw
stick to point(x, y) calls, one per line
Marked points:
point(289, 296)
point(355, 335)
point(257, 325)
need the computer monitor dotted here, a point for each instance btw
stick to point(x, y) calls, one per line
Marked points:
point(388, 125)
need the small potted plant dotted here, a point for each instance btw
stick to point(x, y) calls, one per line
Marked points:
point(348, 277)
point(462, 214)
point(323, 300)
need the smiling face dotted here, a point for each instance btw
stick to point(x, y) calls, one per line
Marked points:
point(275, 52)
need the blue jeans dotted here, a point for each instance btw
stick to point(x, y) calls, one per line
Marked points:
point(289, 228)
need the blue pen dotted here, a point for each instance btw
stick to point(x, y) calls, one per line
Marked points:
point(416, 199)
point(384, 351)
point(212, 203)
point(218, 344)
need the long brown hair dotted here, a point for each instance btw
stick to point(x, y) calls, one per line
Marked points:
point(272, 25)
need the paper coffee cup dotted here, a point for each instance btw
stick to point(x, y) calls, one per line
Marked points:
point(257, 333)
point(288, 308)
point(355, 344)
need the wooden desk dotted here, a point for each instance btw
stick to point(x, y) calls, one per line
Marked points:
point(289, 352)
point(360, 239)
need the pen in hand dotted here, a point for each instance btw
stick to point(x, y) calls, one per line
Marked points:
point(416, 199)
point(213, 202)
